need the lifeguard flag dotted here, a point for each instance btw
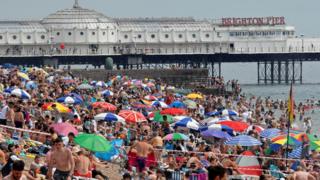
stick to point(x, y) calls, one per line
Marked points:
point(291, 106)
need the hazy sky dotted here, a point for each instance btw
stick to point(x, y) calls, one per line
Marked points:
point(303, 14)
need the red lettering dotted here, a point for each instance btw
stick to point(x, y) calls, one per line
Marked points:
point(282, 22)
point(249, 21)
point(269, 19)
point(259, 21)
point(244, 22)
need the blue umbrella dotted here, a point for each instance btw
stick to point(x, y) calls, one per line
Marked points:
point(107, 156)
point(188, 123)
point(218, 127)
point(107, 93)
point(177, 104)
point(223, 112)
point(243, 140)
point(296, 153)
point(110, 117)
point(31, 85)
point(9, 89)
point(21, 93)
point(75, 95)
point(216, 133)
point(69, 100)
point(270, 133)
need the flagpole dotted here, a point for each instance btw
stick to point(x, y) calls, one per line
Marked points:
point(289, 109)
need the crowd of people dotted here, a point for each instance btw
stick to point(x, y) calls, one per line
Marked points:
point(150, 147)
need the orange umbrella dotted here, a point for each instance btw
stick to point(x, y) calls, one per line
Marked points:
point(132, 116)
point(60, 107)
point(104, 105)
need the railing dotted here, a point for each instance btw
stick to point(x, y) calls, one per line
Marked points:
point(184, 50)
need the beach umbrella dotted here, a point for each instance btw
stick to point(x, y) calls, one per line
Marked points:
point(139, 105)
point(69, 100)
point(100, 84)
point(104, 105)
point(176, 137)
point(85, 87)
point(243, 140)
point(173, 111)
point(215, 133)
point(225, 112)
point(177, 104)
point(270, 133)
point(159, 104)
point(291, 140)
point(21, 93)
point(235, 125)
point(194, 96)
point(159, 118)
point(110, 117)
point(107, 93)
point(218, 127)
point(188, 122)
point(190, 104)
point(296, 153)
point(248, 164)
point(112, 153)
point(64, 129)
point(150, 98)
point(76, 96)
point(60, 107)
point(305, 136)
point(9, 89)
point(31, 85)
point(282, 136)
point(23, 76)
point(93, 142)
point(132, 116)
point(257, 128)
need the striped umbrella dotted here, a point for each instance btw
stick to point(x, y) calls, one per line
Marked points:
point(31, 85)
point(174, 111)
point(188, 122)
point(296, 153)
point(270, 133)
point(21, 93)
point(243, 140)
point(110, 117)
point(150, 98)
point(100, 84)
point(218, 127)
point(178, 104)
point(132, 116)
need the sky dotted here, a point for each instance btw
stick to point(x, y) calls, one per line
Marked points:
point(303, 14)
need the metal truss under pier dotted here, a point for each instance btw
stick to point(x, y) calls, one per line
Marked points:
point(278, 72)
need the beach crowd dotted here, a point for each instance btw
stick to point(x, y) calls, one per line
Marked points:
point(57, 126)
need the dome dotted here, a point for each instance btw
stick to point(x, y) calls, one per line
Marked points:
point(76, 16)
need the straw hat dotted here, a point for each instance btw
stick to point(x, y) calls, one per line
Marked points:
point(75, 149)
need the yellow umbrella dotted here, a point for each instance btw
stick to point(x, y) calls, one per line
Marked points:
point(194, 96)
point(23, 75)
point(60, 107)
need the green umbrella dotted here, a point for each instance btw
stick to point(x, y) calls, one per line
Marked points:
point(93, 142)
point(159, 118)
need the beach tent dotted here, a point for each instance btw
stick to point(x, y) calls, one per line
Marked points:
point(249, 164)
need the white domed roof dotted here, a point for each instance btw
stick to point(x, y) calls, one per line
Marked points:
point(76, 15)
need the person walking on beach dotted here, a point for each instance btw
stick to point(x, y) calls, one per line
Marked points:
point(61, 158)
point(142, 149)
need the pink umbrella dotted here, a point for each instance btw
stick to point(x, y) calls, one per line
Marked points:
point(64, 129)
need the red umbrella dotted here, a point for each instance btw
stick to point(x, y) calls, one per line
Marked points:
point(235, 125)
point(64, 129)
point(173, 112)
point(132, 116)
point(104, 105)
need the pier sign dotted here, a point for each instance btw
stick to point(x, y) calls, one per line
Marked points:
point(253, 21)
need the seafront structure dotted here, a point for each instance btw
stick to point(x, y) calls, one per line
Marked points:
point(80, 35)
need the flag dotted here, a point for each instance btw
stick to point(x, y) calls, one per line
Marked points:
point(291, 106)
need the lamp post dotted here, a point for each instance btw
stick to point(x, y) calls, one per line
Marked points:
point(302, 42)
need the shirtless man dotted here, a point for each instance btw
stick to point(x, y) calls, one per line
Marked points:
point(142, 149)
point(302, 175)
point(61, 158)
point(157, 143)
point(82, 165)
